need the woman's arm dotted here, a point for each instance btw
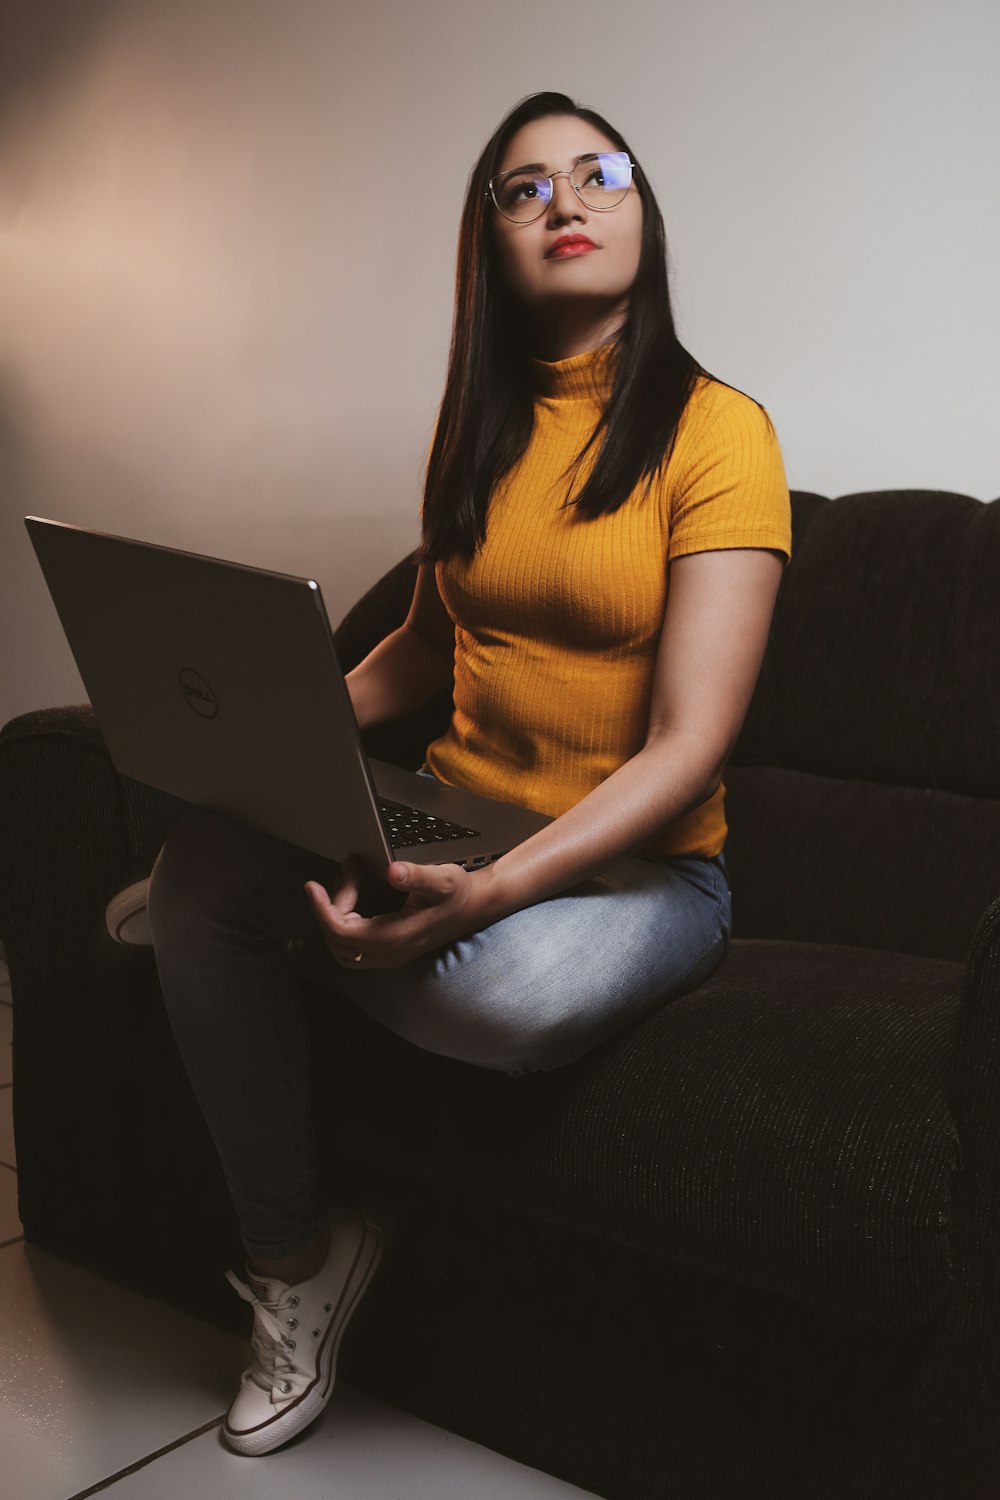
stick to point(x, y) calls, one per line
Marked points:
point(719, 609)
point(412, 665)
point(712, 644)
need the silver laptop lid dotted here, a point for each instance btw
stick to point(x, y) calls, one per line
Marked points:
point(191, 662)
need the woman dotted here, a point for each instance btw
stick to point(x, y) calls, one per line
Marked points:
point(584, 470)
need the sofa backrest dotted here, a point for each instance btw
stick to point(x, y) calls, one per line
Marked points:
point(863, 796)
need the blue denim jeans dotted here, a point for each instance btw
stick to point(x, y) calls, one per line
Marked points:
point(233, 930)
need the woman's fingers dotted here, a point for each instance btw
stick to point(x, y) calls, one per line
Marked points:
point(435, 913)
point(332, 922)
point(333, 918)
point(345, 895)
point(344, 932)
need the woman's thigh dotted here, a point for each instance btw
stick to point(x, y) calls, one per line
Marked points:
point(541, 987)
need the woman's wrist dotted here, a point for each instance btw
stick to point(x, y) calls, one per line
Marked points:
point(493, 898)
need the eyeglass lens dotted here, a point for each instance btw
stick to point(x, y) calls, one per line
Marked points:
point(601, 180)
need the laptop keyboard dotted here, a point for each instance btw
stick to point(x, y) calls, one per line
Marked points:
point(408, 825)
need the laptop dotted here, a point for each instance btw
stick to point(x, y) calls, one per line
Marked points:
point(219, 683)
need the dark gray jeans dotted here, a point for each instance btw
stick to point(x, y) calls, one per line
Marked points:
point(232, 929)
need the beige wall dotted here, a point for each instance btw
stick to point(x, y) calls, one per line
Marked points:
point(226, 263)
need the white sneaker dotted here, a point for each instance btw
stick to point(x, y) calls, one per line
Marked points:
point(296, 1335)
point(125, 915)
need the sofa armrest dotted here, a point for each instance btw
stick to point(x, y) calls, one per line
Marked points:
point(975, 1079)
point(76, 832)
point(957, 1412)
point(973, 1094)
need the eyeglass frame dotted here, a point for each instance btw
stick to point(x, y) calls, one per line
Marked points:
point(550, 178)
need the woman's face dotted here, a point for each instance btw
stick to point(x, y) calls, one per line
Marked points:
point(549, 284)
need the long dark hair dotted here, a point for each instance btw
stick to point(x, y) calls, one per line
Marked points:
point(486, 416)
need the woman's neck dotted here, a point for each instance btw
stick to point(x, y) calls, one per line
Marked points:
point(559, 333)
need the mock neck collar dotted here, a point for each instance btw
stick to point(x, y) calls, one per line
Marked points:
point(581, 377)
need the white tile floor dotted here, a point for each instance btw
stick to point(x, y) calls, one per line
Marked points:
point(105, 1391)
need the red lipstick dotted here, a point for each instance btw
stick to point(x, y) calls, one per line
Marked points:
point(568, 245)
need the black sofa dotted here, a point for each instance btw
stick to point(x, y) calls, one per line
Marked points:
point(748, 1248)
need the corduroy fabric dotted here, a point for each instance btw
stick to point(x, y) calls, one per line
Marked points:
point(675, 1137)
point(882, 663)
point(830, 859)
point(956, 1408)
point(624, 1373)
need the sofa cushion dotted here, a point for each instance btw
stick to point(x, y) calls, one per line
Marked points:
point(783, 1125)
point(827, 859)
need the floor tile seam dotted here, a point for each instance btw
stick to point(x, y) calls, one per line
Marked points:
point(143, 1463)
point(6, 1244)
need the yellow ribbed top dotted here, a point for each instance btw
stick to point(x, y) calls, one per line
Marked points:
point(558, 618)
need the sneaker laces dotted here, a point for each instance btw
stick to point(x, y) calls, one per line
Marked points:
point(271, 1369)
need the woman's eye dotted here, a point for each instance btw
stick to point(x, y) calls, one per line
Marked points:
point(521, 190)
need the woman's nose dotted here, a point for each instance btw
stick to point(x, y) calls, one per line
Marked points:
point(564, 203)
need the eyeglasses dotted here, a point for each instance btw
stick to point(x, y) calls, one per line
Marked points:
point(600, 180)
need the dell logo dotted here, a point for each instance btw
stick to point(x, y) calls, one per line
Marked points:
point(197, 693)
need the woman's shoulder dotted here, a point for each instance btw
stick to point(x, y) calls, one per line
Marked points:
point(713, 404)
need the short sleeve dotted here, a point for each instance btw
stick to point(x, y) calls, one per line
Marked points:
point(730, 488)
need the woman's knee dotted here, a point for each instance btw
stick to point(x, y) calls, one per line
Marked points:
point(544, 1048)
point(518, 1041)
point(549, 1019)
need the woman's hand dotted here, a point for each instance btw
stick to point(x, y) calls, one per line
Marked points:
point(444, 902)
